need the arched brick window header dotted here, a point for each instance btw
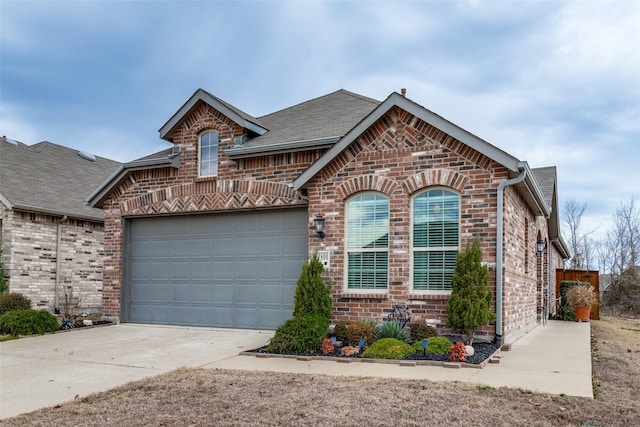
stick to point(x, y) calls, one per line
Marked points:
point(435, 177)
point(381, 184)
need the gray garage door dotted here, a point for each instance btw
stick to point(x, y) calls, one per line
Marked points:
point(229, 270)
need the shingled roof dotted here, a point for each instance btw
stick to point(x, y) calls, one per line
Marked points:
point(50, 178)
point(329, 116)
point(547, 180)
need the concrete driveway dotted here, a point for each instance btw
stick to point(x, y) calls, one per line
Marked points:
point(42, 371)
point(37, 372)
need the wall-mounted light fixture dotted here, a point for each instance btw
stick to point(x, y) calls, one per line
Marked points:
point(319, 222)
point(540, 245)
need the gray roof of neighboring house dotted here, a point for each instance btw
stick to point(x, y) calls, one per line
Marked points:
point(50, 178)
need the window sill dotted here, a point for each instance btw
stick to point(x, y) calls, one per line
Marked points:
point(206, 178)
point(422, 297)
point(356, 295)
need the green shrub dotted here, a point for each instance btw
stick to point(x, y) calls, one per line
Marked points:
point(371, 322)
point(356, 331)
point(566, 313)
point(391, 329)
point(27, 322)
point(469, 307)
point(340, 331)
point(12, 301)
point(302, 334)
point(3, 281)
point(421, 331)
point(312, 295)
point(437, 345)
point(388, 348)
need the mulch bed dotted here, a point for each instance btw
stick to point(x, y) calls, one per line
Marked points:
point(81, 325)
point(482, 352)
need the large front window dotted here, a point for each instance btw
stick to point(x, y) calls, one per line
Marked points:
point(367, 242)
point(208, 154)
point(435, 239)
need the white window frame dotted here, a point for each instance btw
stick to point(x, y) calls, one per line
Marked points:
point(211, 162)
point(348, 250)
point(413, 249)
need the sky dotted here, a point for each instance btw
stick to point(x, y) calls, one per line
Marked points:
point(553, 83)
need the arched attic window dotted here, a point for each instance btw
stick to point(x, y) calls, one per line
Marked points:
point(208, 154)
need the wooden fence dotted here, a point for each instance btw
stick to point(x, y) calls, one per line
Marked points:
point(590, 276)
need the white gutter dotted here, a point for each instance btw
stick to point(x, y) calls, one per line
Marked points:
point(522, 166)
point(238, 152)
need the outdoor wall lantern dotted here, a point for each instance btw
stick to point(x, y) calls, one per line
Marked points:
point(540, 245)
point(319, 222)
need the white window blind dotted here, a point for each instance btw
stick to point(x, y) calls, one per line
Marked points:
point(435, 236)
point(367, 242)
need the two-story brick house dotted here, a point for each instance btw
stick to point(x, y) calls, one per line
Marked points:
point(214, 231)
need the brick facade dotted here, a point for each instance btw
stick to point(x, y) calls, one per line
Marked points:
point(30, 252)
point(398, 156)
point(244, 184)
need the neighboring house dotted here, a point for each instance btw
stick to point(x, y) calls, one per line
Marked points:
point(214, 231)
point(49, 238)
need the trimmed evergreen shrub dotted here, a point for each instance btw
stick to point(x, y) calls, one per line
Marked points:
point(356, 331)
point(388, 348)
point(27, 322)
point(13, 301)
point(312, 295)
point(470, 303)
point(391, 329)
point(437, 345)
point(421, 331)
point(301, 334)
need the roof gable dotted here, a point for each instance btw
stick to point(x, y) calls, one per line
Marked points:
point(50, 178)
point(238, 116)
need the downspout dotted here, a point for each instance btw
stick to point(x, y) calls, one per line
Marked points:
point(552, 281)
point(56, 308)
point(499, 250)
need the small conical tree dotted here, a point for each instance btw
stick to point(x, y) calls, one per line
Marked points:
point(470, 304)
point(312, 295)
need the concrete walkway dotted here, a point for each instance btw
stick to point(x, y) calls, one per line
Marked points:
point(555, 359)
point(43, 371)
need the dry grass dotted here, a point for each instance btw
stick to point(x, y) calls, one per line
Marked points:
point(192, 397)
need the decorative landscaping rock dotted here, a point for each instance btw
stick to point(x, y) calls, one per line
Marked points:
point(349, 351)
point(470, 350)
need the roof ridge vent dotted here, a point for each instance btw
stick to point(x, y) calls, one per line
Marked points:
point(87, 156)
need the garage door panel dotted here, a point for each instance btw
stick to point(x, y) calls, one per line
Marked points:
point(223, 317)
point(271, 294)
point(245, 317)
point(227, 270)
